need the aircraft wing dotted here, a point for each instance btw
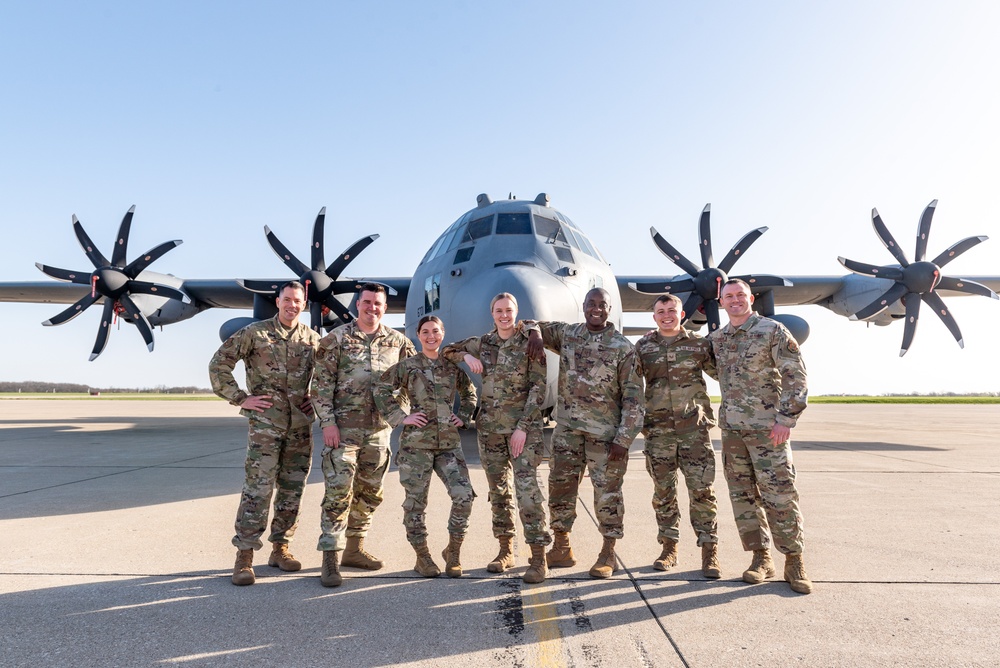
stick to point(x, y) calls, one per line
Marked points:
point(207, 293)
point(803, 290)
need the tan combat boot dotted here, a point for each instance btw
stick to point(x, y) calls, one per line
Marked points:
point(330, 575)
point(561, 554)
point(606, 563)
point(505, 558)
point(795, 574)
point(761, 568)
point(710, 561)
point(536, 565)
point(668, 557)
point(356, 556)
point(243, 570)
point(450, 554)
point(425, 565)
point(283, 559)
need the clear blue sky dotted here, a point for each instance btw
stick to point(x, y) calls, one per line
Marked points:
point(216, 119)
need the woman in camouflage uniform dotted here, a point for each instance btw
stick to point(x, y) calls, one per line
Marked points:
point(430, 441)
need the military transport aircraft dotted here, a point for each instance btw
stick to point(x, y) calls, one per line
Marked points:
point(525, 247)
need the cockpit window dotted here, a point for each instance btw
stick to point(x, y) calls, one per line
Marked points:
point(550, 229)
point(477, 229)
point(513, 223)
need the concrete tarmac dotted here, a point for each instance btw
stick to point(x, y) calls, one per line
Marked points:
point(116, 518)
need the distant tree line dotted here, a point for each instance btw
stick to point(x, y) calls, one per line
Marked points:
point(36, 386)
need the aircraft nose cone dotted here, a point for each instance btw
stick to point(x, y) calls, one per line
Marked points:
point(111, 282)
point(921, 277)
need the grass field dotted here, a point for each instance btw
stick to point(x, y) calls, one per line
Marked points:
point(144, 396)
point(123, 396)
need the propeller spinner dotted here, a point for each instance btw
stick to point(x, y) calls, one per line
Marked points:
point(114, 282)
point(705, 285)
point(915, 282)
point(322, 282)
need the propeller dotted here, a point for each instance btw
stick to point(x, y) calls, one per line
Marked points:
point(705, 285)
point(915, 282)
point(115, 282)
point(322, 282)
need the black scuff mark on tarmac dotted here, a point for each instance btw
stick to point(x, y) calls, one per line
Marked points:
point(509, 622)
point(581, 620)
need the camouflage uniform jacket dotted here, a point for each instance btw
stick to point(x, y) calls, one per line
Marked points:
point(279, 364)
point(600, 391)
point(676, 398)
point(348, 364)
point(761, 373)
point(430, 386)
point(513, 385)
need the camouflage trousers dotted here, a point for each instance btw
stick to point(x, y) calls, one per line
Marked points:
point(354, 475)
point(692, 453)
point(415, 468)
point(761, 478)
point(276, 459)
point(509, 477)
point(572, 452)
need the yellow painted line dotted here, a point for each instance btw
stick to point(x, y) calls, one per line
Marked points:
point(540, 615)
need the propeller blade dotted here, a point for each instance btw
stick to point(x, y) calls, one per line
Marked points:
point(691, 305)
point(144, 288)
point(317, 248)
point(286, 255)
point(262, 287)
point(121, 244)
point(316, 316)
point(138, 265)
point(934, 300)
point(76, 309)
point(338, 308)
point(887, 239)
point(741, 247)
point(765, 281)
point(957, 249)
point(96, 257)
point(968, 287)
point(923, 231)
point(673, 254)
point(712, 314)
point(865, 269)
point(139, 320)
point(910, 328)
point(104, 330)
point(683, 285)
point(888, 298)
point(705, 235)
point(64, 274)
point(337, 266)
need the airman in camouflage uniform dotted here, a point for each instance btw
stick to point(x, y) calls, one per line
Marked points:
point(355, 455)
point(278, 355)
point(678, 416)
point(599, 414)
point(430, 441)
point(763, 382)
point(509, 426)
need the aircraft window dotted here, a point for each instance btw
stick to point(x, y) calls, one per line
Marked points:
point(464, 254)
point(432, 293)
point(448, 241)
point(550, 229)
point(564, 254)
point(513, 223)
point(579, 241)
point(477, 229)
